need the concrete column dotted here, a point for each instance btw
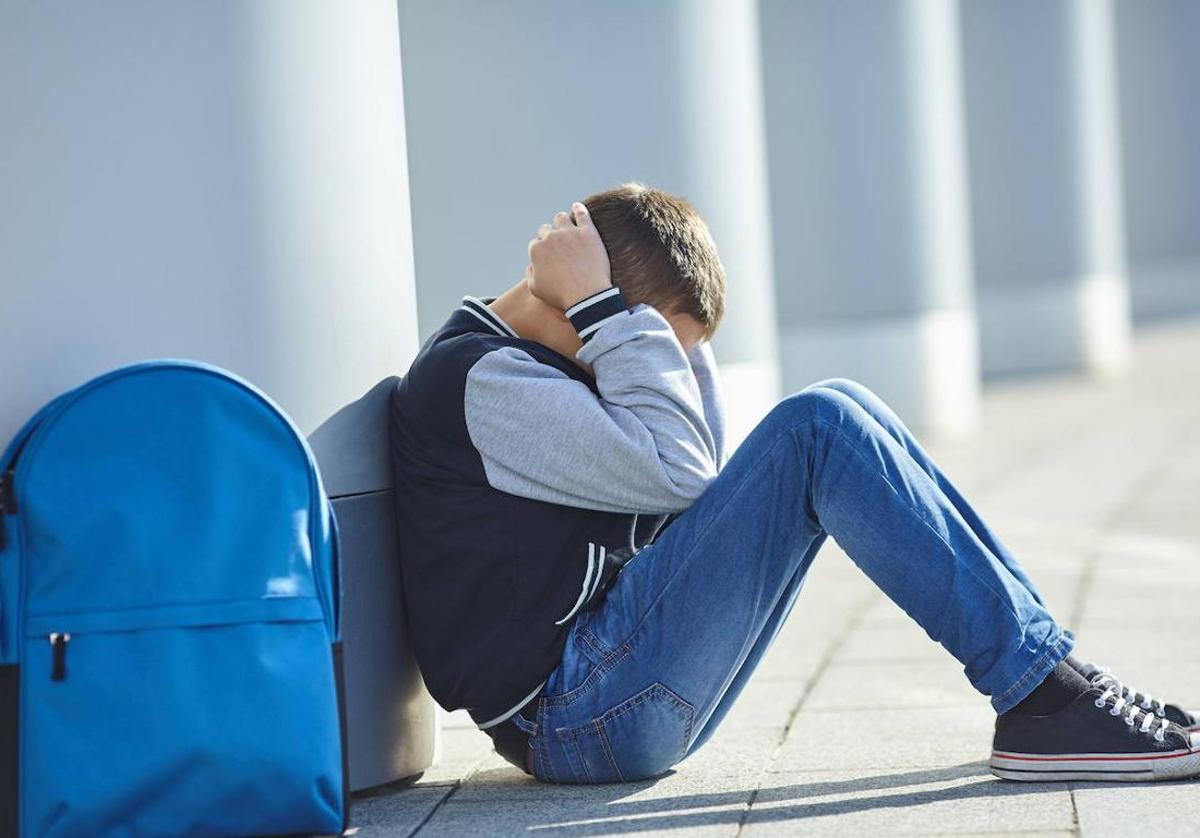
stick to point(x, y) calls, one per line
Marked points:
point(226, 182)
point(869, 203)
point(516, 109)
point(1046, 185)
point(1158, 65)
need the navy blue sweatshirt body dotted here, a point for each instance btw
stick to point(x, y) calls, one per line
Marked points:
point(523, 484)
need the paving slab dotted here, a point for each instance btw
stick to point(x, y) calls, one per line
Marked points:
point(394, 811)
point(907, 684)
point(1138, 810)
point(956, 800)
point(462, 751)
point(1112, 642)
point(766, 704)
point(554, 817)
point(901, 642)
point(827, 740)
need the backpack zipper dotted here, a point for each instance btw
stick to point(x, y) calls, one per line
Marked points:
point(8, 491)
point(8, 504)
point(58, 643)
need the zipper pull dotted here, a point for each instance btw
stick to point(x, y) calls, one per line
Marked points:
point(8, 504)
point(8, 493)
point(58, 643)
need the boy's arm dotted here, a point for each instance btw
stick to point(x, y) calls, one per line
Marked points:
point(704, 366)
point(643, 446)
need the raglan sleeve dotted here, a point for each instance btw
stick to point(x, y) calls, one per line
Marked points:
point(642, 445)
point(712, 396)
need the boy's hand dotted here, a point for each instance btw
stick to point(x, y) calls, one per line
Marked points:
point(568, 261)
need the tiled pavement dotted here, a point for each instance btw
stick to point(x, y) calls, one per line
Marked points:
point(856, 723)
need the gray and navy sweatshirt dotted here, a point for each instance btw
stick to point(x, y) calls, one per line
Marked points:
point(523, 484)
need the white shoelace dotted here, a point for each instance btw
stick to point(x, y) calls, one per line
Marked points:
point(1148, 702)
point(1115, 690)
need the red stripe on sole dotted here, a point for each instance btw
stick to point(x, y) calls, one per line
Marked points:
point(1091, 757)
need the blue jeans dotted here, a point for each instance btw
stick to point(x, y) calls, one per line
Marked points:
point(647, 675)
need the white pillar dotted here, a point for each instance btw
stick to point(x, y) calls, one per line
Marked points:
point(224, 182)
point(1159, 65)
point(516, 109)
point(726, 144)
point(1046, 185)
point(869, 203)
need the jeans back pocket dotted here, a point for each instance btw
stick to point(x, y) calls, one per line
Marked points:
point(641, 737)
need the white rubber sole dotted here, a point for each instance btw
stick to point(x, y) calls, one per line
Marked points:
point(1109, 768)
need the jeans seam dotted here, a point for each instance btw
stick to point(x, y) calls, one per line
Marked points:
point(599, 670)
point(586, 639)
point(604, 746)
point(574, 743)
point(662, 691)
point(542, 749)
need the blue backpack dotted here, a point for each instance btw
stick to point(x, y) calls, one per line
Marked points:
point(170, 658)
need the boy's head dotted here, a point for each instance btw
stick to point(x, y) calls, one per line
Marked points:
point(660, 252)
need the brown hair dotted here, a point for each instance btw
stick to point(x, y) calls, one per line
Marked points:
point(660, 252)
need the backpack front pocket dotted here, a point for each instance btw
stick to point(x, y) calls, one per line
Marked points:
point(180, 720)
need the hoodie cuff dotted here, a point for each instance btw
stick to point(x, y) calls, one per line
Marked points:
point(590, 313)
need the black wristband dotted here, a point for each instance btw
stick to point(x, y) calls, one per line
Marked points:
point(590, 313)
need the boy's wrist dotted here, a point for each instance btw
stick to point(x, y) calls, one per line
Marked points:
point(588, 314)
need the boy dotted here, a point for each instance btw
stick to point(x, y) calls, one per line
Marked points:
point(586, 575)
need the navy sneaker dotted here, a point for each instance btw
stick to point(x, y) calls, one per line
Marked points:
point(1102, 677)
point(1098, 736)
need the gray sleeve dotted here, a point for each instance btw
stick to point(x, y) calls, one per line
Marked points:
point(704, 366)
point(642, 446)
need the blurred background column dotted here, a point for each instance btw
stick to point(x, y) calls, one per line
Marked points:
point(1158, 58)
point(219, 181)
point(869, 202)
point(516, 109)
point(1046, 208)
